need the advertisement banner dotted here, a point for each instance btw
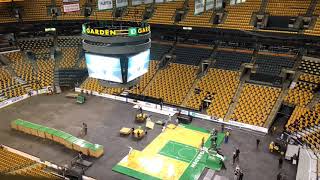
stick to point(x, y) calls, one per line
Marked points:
point(209, 4)
point(184, 112)
point(198, 6)
point(121, 3)
point(12, 100)
point(232, 2)
point(104, 4)
point(219, 4)
point(71, 7)
point(136, 2)
point(70, 1)
point(148, 1)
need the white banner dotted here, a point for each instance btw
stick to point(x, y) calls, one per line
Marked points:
point(148, 1)
point(12, 100)
point(209, 4)
point(104, 4)
point(136, 2)
point(69, 1)
point(158, 1)
point(248, 126)
point(198, 6)
point(184, 112)
point(71, 7)
point(233, 2)
point(121, 3)
point(218, 4)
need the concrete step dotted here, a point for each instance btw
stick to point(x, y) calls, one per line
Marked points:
point(235, 100)
point(19, 80)
point(276, 108)
point(190, 92)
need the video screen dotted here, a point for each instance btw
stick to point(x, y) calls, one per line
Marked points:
point(103, 67)
point(138, 65)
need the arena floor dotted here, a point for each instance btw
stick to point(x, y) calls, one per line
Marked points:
point(105, 118)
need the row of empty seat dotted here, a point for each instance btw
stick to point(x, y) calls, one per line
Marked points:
point(287, 7)
point(310, 66)
point(69, 57)
point(6, 80)
point(304, 123)
point(10, 161)
point(231, 59)
point(202, 20)
point(14, 164)
point(29, 76)
point(173, 83)
point(184, 55)
point(69, 41)
point(302, 92)
point(158, 50)
point(164, 12)
point(36, 171)
point(45, 72)
point(41, 43)
point(93, 84)
point(134, 13)
point(255, 104)
point(146, 78)
point(218, 86)
point(239, 16)
point(302, 118)
point(273, 64)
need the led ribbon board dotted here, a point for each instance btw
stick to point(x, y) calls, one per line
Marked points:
point(130, 31)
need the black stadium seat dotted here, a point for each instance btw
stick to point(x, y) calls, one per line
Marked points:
point(273, 64)
point(158, 50)
point(231, 60)
point(191, 55)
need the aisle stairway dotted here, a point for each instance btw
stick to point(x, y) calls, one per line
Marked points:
point(263, 6)
point(276, 108)
point(312, 7)
point(235, 101)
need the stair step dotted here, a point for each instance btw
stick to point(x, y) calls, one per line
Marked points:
point(21, 81)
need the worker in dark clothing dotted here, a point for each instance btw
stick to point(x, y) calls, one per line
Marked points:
point(80, 156)
point(234, 157)
point(237, 154)
point(140, 109)
point(258, 142)
point(279, 176)
point(161, 103)
point(226, 137)
point(241, 176)
point(85, 128)
point(280, 162)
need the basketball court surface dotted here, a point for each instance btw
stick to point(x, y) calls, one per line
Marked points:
point(174, 154)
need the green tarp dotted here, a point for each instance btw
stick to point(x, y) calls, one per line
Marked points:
point(57, 133)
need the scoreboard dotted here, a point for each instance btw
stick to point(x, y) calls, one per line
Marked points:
point(117, 55)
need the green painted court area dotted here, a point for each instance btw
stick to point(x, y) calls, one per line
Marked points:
point(179, 151)
point(196, 159)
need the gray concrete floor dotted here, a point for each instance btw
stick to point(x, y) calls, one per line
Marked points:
point(105, 118)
